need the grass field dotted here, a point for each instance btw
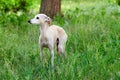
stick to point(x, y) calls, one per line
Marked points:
point(93, 46)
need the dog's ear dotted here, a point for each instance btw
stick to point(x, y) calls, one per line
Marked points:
point(48, 20)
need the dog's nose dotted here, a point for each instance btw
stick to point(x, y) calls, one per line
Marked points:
point(29, 21)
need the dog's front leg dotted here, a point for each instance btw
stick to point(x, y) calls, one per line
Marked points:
point(52, 58)
point(41, 48)
point(41, 53)
point(51, 48)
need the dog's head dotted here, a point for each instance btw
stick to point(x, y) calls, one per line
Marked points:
point(40, 19)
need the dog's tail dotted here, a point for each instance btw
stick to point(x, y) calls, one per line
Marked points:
point(57, 43)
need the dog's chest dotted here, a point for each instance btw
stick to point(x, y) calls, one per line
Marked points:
point(44, 41)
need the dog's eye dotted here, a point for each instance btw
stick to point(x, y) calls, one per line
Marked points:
point(37, 17)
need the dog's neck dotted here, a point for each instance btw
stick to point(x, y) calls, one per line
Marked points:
point(43, 28)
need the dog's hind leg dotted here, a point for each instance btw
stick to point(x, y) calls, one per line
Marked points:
point(61, 45)
point(61, 48)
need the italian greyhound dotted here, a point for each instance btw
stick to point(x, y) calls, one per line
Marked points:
point(50, 35)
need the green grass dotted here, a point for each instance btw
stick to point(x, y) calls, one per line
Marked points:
point(93, 46)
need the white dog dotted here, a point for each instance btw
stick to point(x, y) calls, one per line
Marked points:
point(50, 36)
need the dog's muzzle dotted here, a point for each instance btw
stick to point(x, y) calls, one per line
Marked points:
point(29, 21)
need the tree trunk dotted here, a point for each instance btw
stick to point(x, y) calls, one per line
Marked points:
point(50, 7)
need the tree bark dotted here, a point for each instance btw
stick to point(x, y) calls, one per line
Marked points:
point(51, 7)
